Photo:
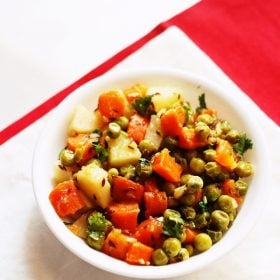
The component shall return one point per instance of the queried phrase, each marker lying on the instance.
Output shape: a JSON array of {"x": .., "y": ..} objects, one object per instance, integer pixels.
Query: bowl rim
[{"x": 71, "y": 242}]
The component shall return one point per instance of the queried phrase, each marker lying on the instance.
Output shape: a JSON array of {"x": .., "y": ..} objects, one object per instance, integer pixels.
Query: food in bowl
[{"x": 146, "y": 179}]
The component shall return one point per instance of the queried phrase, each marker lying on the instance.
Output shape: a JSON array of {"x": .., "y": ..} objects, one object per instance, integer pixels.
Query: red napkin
[{"x": 242, "y": 38}]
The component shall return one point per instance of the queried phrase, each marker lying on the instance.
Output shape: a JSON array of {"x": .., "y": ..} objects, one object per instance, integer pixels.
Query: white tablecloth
[{"x": 68, "y": 43}]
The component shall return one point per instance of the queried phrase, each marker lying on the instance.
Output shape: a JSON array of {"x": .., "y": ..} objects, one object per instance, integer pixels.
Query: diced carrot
[
  {"x": 66, "y": 199},
  {"x": 82, "y": 145},
  {"x": 150, "y": 185},
  {"x": 124, "y": 215},
  {"x": 155, "y": 203},
  {"x": 135, "y": 92},
  {"x": 124, "y": 189},
  {"x": 172, "y": 121},
  {"x": 137, "y": 127},
  {"x": 76, "y": 141},
  {"x": 116, "y": 244},
  {"x": 229, "y": 188},
  {"x": 149, "y": 231},
  {"x": 139, "y": 254},
  {"x": 188, "y": 139},
  {"x": 166, "y": 166},
  {"x": 190, "y": 235},
  {"x": 225, "y": 155},
  {"x": 112, "y": 104}
]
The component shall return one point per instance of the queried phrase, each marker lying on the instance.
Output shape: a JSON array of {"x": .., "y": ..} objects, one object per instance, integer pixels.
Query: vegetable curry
[{"x": 148, "y": 180}]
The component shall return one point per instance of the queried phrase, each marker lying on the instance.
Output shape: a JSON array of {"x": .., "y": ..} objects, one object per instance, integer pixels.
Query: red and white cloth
[{"x": 235, "y": 43}]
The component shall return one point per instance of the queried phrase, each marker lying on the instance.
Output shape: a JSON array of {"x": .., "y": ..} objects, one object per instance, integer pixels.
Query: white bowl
[{"x": 228, "y": 107}]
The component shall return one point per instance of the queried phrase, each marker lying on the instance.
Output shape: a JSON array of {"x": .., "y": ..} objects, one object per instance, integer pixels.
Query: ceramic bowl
[{"x": 228, "y": 106}]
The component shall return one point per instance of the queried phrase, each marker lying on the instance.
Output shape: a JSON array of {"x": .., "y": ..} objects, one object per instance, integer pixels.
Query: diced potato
[
  {"x": 83, "y": 121},
  {"x": 93, "y": 181},
  {"x": 154, "y": 132},
  {"x": 79, "y": 227},
  {"x": 123, "y": 151},
  {"x": 168, "y": 97},
  {"x": 61, "y": 173}
]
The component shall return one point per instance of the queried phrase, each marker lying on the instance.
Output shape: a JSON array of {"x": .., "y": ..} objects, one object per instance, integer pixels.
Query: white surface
[
  {"x": 34, "y": 67},
  {"x": 45, "y": 45}
]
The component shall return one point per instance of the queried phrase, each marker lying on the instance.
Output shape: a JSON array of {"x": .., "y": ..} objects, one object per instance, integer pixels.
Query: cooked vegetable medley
[{"x": 148, "y": 180}]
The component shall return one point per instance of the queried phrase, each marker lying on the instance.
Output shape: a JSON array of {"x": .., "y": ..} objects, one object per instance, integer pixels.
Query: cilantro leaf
[
  {"x": 101, "y": 151},
  {"x": 173, "y": 226},
  {"x": 243, "y": 145},
  {"x": 143, "y": 105},
  {"x": 202, "y": 103}
]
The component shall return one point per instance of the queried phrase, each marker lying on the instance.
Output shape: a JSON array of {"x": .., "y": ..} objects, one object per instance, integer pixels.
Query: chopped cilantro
[
  {"x": 202, "y": 207},
  {"x": 173, "y": 226},
  {"x": 243, "y": 145},
  {"x": 143, "y": 105},
  {"x": 202, "y": 103},
  {"x": 101, "y": 151}
]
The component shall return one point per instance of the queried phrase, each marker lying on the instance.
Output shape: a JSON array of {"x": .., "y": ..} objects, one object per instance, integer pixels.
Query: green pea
[
  {"x": 180, "y": 191},
  {"x": 122, "y": 122},
  {"x": 244, "y": 169},
  {"x": 202, "y": 130},
  {"x": 205, "y": 118},
  {"x": 190, "y": 249},
  {"x": 114, "y": 130},
  {"x": 209, "y": 155},
  {"x": 188, "y": 199},
  {"x": 202, "y": 242},
  {"x": 67, "y": 157},
  {"x": 188, "y": 212},
  {"x": 202, "y": 220},
  {"x": 171, "y": 213},
  {"x": 182, "y": 256},
  {"x": 171, "y": 246},
  {"x": 184, "y": 179},
  {"x": 96, "y": 243},
  {"x": 128, "y": 171},
  {"x": 144, "y": 168},
  {"x": 212, "y": 169},
  {"x": 233, "y": 136},
  {"x": 225, "y": 126},
  {"x": 159, "y": 257},
  {"x": 227, "y": 203},
  {"x": 223, "y": 175},
  {"x": 170, "y": 143},
  {"x": 212, "y": 192},
  {"x": 147, "y": 147},
  {"x": 168, "y": 188},
  {"x": 242, "y": 187},
  {"x": 220, "y": 220},
  {"x": 194, "y": 184},
  {"x": 232, "y": 215},
  {"x": 182, "y": 235},
  {"x": 197, "y": 165},
  {"x": 111, "y": 173},
  {"x": 214, "y": 235}
]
